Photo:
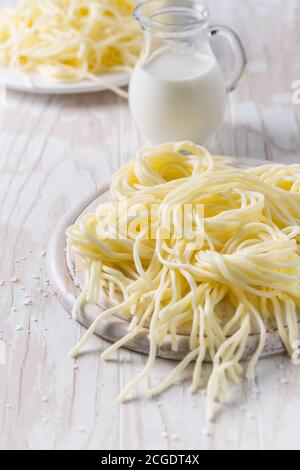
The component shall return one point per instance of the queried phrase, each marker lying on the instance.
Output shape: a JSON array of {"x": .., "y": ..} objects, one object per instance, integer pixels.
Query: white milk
[{"x": 175, "y": 97}]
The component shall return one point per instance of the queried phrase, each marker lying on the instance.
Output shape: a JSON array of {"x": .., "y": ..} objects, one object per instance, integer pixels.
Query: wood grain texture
[{"x": 53, "y": 152}]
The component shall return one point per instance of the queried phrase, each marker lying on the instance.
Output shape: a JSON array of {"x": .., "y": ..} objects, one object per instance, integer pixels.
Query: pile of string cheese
[
  {"x": 70, "y": 40},
  {"x": 243, "y": 278}
]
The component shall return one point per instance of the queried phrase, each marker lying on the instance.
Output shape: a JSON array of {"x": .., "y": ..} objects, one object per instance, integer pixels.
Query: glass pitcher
[{"x": 178, "y": 90}]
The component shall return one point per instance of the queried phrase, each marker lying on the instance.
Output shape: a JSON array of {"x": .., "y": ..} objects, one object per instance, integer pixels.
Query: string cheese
[
  {"x": 243, "y": 278},
  {"x": 70, "y": 40}
]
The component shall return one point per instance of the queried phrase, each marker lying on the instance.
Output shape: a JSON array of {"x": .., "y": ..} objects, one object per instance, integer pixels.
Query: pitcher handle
[{"x": 238, "y": 50}]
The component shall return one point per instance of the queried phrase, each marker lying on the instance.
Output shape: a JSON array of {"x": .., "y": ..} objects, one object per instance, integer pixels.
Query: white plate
[{"x": 34, "y": 83}]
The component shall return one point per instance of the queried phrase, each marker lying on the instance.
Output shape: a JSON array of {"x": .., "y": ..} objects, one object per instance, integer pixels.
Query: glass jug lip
[{"x": 187, "y": 15}]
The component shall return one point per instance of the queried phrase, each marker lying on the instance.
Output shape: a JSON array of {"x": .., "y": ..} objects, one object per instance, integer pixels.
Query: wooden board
[{"x": 67, "y": 275}]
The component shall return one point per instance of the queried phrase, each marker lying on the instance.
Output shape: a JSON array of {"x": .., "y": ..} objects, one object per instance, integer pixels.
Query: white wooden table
[{"x": 55, "y": 150}]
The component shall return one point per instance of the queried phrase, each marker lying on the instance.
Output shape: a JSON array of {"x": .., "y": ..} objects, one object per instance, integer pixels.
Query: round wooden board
[{"x": 65, "y": 275}]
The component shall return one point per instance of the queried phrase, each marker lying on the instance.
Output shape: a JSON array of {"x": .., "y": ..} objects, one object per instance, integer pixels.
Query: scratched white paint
[{"x": 54, "y": 151}]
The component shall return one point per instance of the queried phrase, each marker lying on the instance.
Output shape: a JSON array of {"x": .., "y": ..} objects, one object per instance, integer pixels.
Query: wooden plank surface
[{"x": 54, "y": 151}]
